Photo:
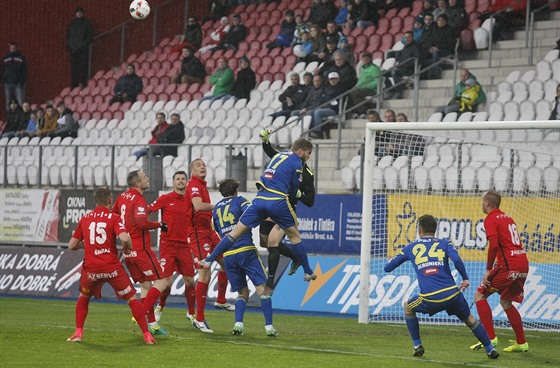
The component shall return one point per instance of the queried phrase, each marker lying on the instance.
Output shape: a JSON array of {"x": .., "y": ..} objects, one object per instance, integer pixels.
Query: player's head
[
  {"x": 427, "y": 225},
  {"x": 198, "y": 168},
  {"x": 103, "y": 196},
  {"x": 303, "y": 148},
  {"x": 180, "y": 180},
  {"x": 137, "y": 179},
  {"x": 490, "y": 200},
  {"x": 228, "y": 187}
]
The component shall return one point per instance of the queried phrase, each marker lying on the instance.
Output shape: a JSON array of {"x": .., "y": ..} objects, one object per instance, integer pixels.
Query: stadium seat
[
  {"x": 536, "y": 90},
  {"x": 551, "y": 179},
  {"x": 421, "y": 178},
  {"x": 534, "y": 179}
]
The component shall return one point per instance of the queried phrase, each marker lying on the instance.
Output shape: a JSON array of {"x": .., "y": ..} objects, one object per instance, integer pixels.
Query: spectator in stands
[
  {"x": 192, "y": 69},
  {"x": 408, "y": 144},
  {"x": 333, "y": 31},
  {"x": 174, "y": 133},
  {"x": 14, "y": 119},
  {"x": 364, "y": 13},
  {"x": 454, "y": 105},
  {"x": 323, "y": 12},
  {"x": 328, "y": 52},
  {"x": 317, "y": 43},
  {"x": 292, "y": 98},
  {"x": 468, "y": 99},
  {"x": 301, "y": 27},
  {"x": 340, "y": 65},
  {"x": 303, "y": 49},
  {"x": 343, "y": 13},
  {"x": 193, "y": 34},
  {"x": 383, "y": 138},
  {"x": 390, "y": 116},
  {"x": 14, "y": 75},
  {"x": 26, "y": 116},
  {"x": 457, "y": 16},
  {"x": 217, "y": 35},
  {"x": 330, "y": 93},
  {"x": 236, "y": 34},
  {"x": 79, "y": 37},
  {"x": 51, "y": 118},
  {"x": 222, "y": 80},
  {"x": 368, "y": 78},
  {"x": 555, "y": 113},
  {"x": 308, "y": 80},
  {"x": 313, "y": 98},
  {"x": 443, "y": 44},
  {"x": 417, "y": 30},
  {"x": 441, "y": 9},
  {"x": 67, "y": 126},
  {"x": 513, "y": 16},
  {"x": 345, "y": 47},
  {"x": 404, "y": 66},
  {"x": 427, "y": 9},
  {"x": 31, "y": 128},
  {"x": 396, "y": 4},
  {"x": 160, "y": 127},
  {"x": 218, "y": 10},
  {"x": 246, "y": 80},
  {"x": 285, "y": 36},
  {"x": 40, "y": 112},
  {"x": 128, "y": 86}
]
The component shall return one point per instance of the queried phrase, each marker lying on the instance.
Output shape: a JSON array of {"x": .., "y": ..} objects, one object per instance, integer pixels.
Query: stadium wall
[{"x": 39, "y": 28}]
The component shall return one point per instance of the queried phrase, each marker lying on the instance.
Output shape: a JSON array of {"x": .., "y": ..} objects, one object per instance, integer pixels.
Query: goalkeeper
[
  {"x": 271, "y": 235},
  {"x": 438, "y": 290}
]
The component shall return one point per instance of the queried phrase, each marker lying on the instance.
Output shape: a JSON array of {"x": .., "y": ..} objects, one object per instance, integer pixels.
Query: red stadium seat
[
  {"x": 171, "y": 88},
  {"x": 175, "y": 97},
  {"x": 268, "y": 77},
  {"x": 386, "y": 42},
  {"x": 141, "y": 97},
  {"x": 275, "y": 68},
  {"x": 99, "y": 74},
  {"x": 118, "y": 115},
  {"x": 474, "y": 24},
  {"x": 404, "y": 12},
  {"x": 396, "y": 23},
  {"x": 191, "y": 88},
  {"x": 159, "y": 89},
  {"x": 391, "y": 13},
  {"x": 279, "y": 76},
  {"x": 374, "y": 42},
  {"x": 107, "y": 115},
  {"x": 65, "y": 91},
  {"x": 197, "y": 95},
  {"x": 467, "y": 40},
  {"x": 383, "y": 26},
  {"x": 369, "y": 31},
  {"x": 163, "y": 97},
  {"x": 114, "y": 107},
  {"x": 377, "y": 54},
  {"x": 483, "y": 5},
  {"x": 250, "y": 8},
  {"x": 75, "y": 91},
  {"x": 125, "y": 106},
  {"x": 267, "y": 60},
  {"x": 85, "y": 115}
]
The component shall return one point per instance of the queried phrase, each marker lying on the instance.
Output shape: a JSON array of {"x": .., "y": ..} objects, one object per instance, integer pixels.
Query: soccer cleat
[
  {"x": 75, "y": 338},
  {"x": 419, "y": 351},
  {"x": 189, "y": 316},
  {"x": 134, "y": 321},
  {"x": 271, "y": 332},
  {"x": 479, "y": 345},
  {"x": 158, "y": 311},
  {"x": 149, "y": 339},
  {"x": 157, "y": 330},
  {"x": 202, "y": 326},
  {"x": 226, "y": 306},
  {"x": 493, "y": 354},
  {"x": 307, "y": 277},
  {"x": 293, "y": 268},
  {"x": 237, "y": 330},
  {"x": 204, "y": 264},
  {"x": 517, "y": 348}
]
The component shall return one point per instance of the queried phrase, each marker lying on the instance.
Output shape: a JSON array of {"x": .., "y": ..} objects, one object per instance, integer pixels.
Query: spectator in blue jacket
[
  {"x": 128, "y": 86},
  {"x": 286, "y": 33}
]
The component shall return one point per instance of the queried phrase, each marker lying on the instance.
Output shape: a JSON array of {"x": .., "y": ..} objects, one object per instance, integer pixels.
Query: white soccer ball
[
  {"x": 299, "y": 51},
  {"x": 139, "y": 9}
]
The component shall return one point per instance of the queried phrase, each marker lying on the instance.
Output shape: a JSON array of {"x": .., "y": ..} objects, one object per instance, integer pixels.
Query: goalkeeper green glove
[
  {"x": 264, "y": 135},
  {"x": 298, "y": 194}
]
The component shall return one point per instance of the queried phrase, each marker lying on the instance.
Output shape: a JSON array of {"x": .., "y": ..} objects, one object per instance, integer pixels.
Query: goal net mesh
[{"x": 444, "y": 173}]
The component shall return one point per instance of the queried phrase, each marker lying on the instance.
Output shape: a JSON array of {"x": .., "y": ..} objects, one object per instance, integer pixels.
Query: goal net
[{"x": 442, "y": 169}]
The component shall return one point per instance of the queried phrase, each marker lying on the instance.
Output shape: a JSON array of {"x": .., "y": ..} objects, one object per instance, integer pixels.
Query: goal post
[{"x": 461, "y": 160}]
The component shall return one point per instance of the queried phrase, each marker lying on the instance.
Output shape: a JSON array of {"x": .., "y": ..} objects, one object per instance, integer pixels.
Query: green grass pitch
[{"x": 33, "y": 333}]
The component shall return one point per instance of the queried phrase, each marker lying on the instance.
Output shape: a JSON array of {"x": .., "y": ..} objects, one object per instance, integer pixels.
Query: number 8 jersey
[{"x": 510, "y": 252}]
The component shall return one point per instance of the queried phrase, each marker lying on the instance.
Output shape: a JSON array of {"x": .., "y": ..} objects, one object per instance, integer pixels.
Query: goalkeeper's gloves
[
  {"x": 264, "y": 135},
  {"x": 298, "y": 194},
  {"x": 163, "y": 227}
]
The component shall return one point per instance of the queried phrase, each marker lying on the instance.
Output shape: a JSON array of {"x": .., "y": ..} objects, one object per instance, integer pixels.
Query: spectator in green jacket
[
  {"x": 454, "y": 105},
  {"x": 222, "y": 80},
  {"x": 368, "y": 77}
]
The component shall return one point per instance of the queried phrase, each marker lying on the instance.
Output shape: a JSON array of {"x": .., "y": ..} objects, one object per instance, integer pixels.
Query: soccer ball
[
  {"x": 299, "y": 51},
  {"x": 139, "y": 9}
]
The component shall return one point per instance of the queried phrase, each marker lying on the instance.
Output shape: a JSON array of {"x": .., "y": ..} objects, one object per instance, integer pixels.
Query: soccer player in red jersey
[
  {"x": 507, "y": 276},
  {"x": 202, "y": 240},
  {"x": 142, "y": 262},
  {"x": 174, "y": 251},
  {"x": 96, "y": 233}
]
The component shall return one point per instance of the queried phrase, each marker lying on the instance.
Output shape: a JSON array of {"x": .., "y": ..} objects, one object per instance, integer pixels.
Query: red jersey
[
  {"x": 131, "y": 206},
  {"x": 196, "y": 187},
  {"x": 174, "y": 212},
  {"x": 99, "y": 229},
  {"x": 509, "y": 252}
]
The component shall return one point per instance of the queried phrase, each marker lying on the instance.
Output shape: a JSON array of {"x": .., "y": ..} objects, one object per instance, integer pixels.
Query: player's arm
[
  {"x": 268, "y": 149},
  {"x": 142, "y": 220},
  {"x": 199, "y": 206},
  {"x": 156, "y": 205},
  {"x": 459, "y": 266},
  {"x": 75, "y": 244},
  {"x": 307, "y": 187},
  {"x": 395, "y": 262},
  {"x": 126, "y": 242},
  {"x": 493, "y": 246}
]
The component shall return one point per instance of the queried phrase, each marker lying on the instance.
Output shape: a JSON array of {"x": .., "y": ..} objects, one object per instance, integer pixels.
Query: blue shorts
[
  {"x": 243, "y": 264},
  {"x": 277, "y": 208},
  {"x": 457, "y": 306}
]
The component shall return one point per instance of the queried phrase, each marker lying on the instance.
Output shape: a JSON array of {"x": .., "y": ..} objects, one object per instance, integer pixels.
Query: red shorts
[
  {"x": 143, "y": 265},
  {"x": 509, "y": 284},
  {"x": 90, "y": 282},
  {"x": 202, "y": 243},
  {"x": 176, "y": 256}
]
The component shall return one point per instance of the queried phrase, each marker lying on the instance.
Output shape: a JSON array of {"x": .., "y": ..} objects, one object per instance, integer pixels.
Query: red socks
[
  {"x": 222, "y": 286},
  {"x": 81, "y": 311},
  {"x": 190, "y": 295},
  {"x": 139, "y": 314},
  {"x": 148, "y": 303},
  {"x": 515, "y": 321},
  {"x": 201, "y": 292},
  {"x": 485, "y": 317}
]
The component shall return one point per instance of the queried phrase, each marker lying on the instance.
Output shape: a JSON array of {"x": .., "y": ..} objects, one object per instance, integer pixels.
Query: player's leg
[
  {"x": 240, "y": 306},
  {"x": 520, "y": 344},
  {"x": 138, "y": 312},
  {"x": 480, "y": 333},
  {"x": 185, "y": 266},
  {"x": 274, "y": 237},
  {"x": 299, "y": 250},
  {"x": 190, "y": 296},
  {"x": 413, "y": 325},
  {"x": 200, "y": 247},
  {"x": 485, "y": 316},
  {"x": 254, "y": 269},
  {"x": 221, "y": 301},
  {"x": 82, "y": 306},
  {"x": 158, "y": 311}
]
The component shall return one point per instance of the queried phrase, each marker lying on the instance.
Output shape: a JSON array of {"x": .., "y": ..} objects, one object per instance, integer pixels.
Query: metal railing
[{"x": 530, "y": 28}]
